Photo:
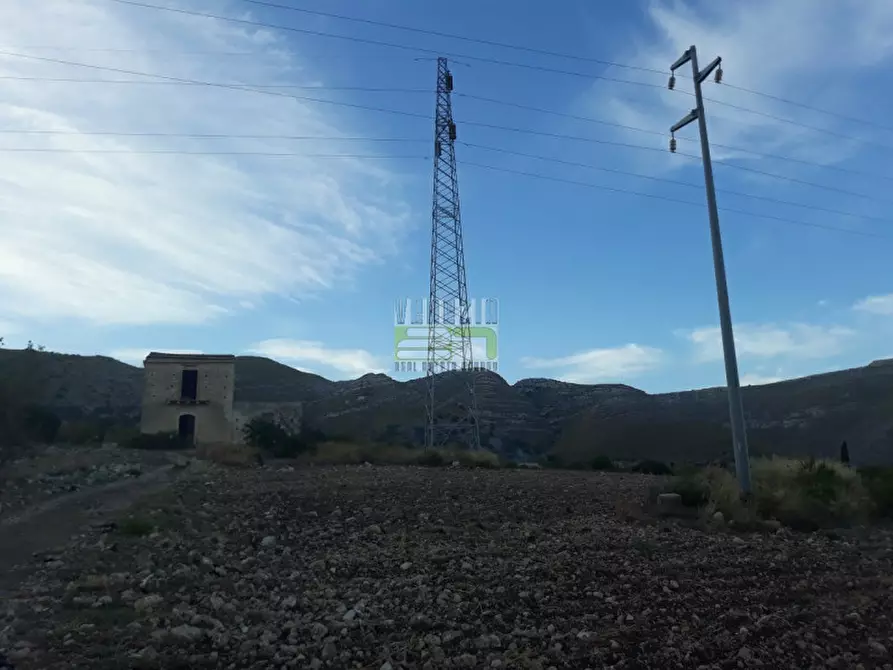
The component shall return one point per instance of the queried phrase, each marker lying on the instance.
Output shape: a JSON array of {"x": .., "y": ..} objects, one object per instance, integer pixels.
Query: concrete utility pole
[{"x": 736, "y": 407}]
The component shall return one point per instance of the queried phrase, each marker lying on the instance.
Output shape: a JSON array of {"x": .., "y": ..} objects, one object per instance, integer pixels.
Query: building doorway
[{"x": 186, "y": 428}]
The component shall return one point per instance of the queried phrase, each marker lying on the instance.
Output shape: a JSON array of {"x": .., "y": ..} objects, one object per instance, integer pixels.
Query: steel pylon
[{"x": 451, "y": 404}]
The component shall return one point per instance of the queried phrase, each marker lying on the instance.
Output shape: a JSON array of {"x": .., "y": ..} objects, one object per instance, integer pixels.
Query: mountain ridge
[{"x": 807, "y": 415}]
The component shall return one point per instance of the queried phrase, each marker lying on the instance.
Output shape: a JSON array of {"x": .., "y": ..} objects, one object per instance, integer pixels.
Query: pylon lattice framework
[{"x": 451, "y": 416}]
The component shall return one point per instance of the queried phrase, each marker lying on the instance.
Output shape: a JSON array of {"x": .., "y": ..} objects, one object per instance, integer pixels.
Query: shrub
[
  {"x": 265, "y": 434},
  {"x": 553, "y": 461},
  {"x": 40, "y": 424},
  {"x": 431, "y": 458},
  {"x": 601, "y": 463},
  {"x": 120, "y": 434},
  {"x": 82, "y": 432},
  {"x": 808, "y": 494},
  {"x": 233, "y": 455},
  {"x": 648, "y": 467},
  {"x": 158, "y": 442},
  {"x": 878, "y": 483},
  {"x": 135, "y": 527},
  {"x": 474, "y": 459},
  {"x": 694, "y": 491},
  {"x": 805, "y": 495}
]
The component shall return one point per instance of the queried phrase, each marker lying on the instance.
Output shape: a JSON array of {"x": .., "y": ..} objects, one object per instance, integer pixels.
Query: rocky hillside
[{"x": 802, "y": 416}]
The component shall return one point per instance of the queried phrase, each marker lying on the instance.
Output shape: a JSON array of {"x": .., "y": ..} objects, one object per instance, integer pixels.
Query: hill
[{"x": 812, "y": 415}]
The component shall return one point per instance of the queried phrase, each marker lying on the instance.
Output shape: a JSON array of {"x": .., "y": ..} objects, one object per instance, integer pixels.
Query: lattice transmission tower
[{"x": 451, "y": 403}]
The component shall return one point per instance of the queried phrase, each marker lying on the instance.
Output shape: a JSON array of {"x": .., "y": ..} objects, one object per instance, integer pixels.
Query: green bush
[
  {"x": 474, "y": 459},
  {"x": 694, "y": 491},
  {"x": 878, "y": 482},
  {"x": 601, "y": 463},
  {"x": 810, "y": 494},
  {"x": 135, "y": 527},
  {"x": 431, "y": 458},
  {"x": 649, "y": 467},
  {"x": 81, "y": 432},
  {"x": 120, "y": 434},
  {"x": 552, "y": 461},
  {"x": 269, "y": 436},
  {"x": 158, "y": 442},
  {"x": 40, "y": 424},
  {"x": 804, "y": 495}
]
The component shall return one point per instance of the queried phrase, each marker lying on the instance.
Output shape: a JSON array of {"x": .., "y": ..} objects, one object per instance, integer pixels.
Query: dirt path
[{"x": 49, "y": 525}]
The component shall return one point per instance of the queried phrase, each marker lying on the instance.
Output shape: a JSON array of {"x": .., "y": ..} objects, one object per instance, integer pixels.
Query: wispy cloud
[
  {"x": 797, "y": 340},
  {"x": 876, "y": 304},
  {"x": 600, "y": 365},
  {"x": 139, "y": 239},
  {"x": 137, "y": 356},
  {"x": 798, "y": 49},
  {"x": 311, "y": 356}
]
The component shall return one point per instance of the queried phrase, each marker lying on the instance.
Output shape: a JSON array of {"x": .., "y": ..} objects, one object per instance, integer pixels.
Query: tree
[
  {"x": 265, "y": 434},
  {"x": 844, "y": 453}
]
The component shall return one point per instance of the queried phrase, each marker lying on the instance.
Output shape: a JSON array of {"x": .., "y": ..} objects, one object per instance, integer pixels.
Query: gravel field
[
  {"x": 55, "y": 471},
  {"x": 386, "y": 568}
]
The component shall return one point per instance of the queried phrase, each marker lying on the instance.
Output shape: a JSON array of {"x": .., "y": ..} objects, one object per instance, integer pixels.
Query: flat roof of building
[{"x": 159, "y": 357}]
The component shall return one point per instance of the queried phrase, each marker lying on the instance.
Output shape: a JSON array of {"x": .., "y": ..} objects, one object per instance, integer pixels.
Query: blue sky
[{"x": 301, "y": 257}]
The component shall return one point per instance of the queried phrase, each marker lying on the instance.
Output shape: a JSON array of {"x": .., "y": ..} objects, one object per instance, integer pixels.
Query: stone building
[{"x": 191, "y": 395}]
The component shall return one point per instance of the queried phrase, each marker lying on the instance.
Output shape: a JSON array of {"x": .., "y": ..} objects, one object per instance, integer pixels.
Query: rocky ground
[
  {"x": 387, "y": 568},
  {"x": 50, "y": 472}
]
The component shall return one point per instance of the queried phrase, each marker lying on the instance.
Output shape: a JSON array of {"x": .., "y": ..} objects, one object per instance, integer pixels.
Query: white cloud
[
  {"x": 876, "y": 304},
  {"x": 137, "y": 356},
  {"x": 601, "y": 365},
  {"x": 756, "y": 379},
  {"x": 797, "y": 49},
  {"x": 139, "y": 239},
  {"x": 309, "y": 355},
  {"x": 796, "y": 340}
]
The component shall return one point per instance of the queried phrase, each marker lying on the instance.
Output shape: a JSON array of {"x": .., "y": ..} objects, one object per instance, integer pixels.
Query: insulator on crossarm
[
  {"x": 437, "y": 149},
  {"x": 449, "y": 81},
  {"x": 672, "y": 83},
  {"x": 673, "y": 145},
  {"x": 452, "y": 131},
  {"x": 718, "y": 76}
]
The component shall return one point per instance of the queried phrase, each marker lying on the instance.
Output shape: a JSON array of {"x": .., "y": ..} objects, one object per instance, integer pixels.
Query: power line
[
  {"x": 390, "y": 45},
  {"x": 544, "y": 52},
  {"x": 437, "y": 33},
  {"x": 427, "y": 117},
  {"x": 186, "y": 152},
  {"x": 211, "y": 136},
  {"x": 165, "y": 52},
  {"x": 674, "y": 200},
  {"x": 211, "y": 84},
  {"x": 469, "y": 57},
  {"x": 676, "y": 182},
  {"x": 794, "y": 103},
  {"x": 71, "y": 80},
  {"x": 469, "y": 96},
  {"x": 589, "y": 119}
]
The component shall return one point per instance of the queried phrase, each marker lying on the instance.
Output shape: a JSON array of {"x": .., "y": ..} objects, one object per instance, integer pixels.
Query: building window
[{"x": 189, "y": 385}]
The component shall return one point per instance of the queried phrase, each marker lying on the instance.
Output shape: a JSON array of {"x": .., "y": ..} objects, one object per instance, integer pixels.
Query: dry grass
[
  {"x": 233, "y": 455},
  {"x": 346, "y": 453},
  {"x": 800, "y": 494}
]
